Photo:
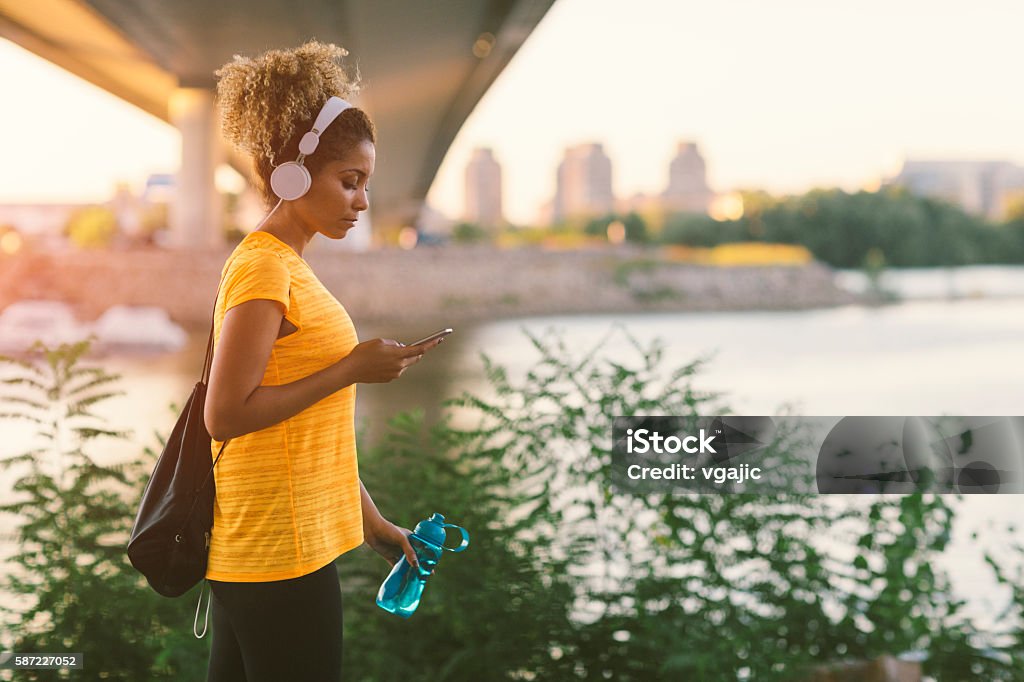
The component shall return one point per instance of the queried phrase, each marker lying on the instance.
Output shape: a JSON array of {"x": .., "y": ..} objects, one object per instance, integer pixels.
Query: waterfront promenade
[{"x": 445, "y": 284}]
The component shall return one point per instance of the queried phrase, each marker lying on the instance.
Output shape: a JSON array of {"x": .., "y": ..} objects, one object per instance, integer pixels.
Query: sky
[{"x": 783, "y": 95}]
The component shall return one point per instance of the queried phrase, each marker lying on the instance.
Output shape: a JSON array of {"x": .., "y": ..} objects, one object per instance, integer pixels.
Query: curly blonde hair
[{"x": 268, "y": 102}]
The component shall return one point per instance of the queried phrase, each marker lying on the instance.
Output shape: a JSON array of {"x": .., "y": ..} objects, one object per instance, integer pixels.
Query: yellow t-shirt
[{"x": 287, "y": 498}]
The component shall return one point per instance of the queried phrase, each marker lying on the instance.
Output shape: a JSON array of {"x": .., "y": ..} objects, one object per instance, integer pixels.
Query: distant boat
[
  {"x": 24, "y": 322},
  {"x": 124, "y": 328}
]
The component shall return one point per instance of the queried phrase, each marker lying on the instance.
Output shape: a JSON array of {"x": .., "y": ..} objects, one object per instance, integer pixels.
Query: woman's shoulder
[
  {"x": 254, "y": 251},
  {"x": 254, "y": 270},
  {"x": 261, "y": 242}
]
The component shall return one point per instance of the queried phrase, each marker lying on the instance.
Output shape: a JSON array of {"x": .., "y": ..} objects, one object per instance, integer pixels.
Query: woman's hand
[
  {"x": 390, "y": 541},
  {"x": 382, "y": 360}
]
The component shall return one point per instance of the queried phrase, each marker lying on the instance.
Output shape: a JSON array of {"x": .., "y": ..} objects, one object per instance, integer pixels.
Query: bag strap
[
  {"x": 209, "y": 350},
  {"x": 208, "y": 362},
  {"x": 209, "y": 344},
  {"x": 205, "y": 378}
]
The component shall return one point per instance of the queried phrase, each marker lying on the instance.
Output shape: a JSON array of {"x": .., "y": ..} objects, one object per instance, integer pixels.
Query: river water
[{"x": 962, "y": 354}]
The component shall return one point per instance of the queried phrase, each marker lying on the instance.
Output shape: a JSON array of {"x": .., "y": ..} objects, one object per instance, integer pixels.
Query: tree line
[
  {"x": 848, "y": 230},
  {"x": 890, "y": 227}
]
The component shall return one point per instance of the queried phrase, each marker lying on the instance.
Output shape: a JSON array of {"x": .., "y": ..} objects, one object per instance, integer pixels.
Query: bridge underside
[{"x": 424, "y": 66}]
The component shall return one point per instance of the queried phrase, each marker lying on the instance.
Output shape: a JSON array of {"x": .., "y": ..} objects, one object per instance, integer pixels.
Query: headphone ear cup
[{"x": 289, "y": 181}]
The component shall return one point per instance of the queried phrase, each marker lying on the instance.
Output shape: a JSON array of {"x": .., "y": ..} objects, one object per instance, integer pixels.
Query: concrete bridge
[{"x": 425, "y": 64}]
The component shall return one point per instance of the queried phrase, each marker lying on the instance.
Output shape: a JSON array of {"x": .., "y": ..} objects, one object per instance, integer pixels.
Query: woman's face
[{"x": 338, "y": 193}]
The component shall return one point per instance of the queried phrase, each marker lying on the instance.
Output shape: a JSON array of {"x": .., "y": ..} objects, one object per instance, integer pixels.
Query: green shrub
[
  {"x": 80, "y": 592},
  {"x": 568, "y": 578}
]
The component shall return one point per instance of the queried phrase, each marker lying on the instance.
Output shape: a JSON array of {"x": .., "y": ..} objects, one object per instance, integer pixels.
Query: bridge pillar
[{"x": 197, "y": 210}]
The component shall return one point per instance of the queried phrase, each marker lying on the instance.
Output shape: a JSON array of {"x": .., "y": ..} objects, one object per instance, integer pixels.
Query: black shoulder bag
[{"x": 170, "y": 540}]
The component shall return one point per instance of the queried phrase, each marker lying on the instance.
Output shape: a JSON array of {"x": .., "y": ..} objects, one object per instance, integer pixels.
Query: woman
[{"x": 282, "y": 384}]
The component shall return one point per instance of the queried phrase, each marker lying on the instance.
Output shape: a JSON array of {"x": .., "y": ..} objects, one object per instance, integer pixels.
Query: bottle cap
[{"x": 431, "y": 530}]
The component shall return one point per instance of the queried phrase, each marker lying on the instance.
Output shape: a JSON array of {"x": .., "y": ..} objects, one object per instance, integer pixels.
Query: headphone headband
[
  {"x": 331, "y": 110},
  {"x": 291, "y": 180}
]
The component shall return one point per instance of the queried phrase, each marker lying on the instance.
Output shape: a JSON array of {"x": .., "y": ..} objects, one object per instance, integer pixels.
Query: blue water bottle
[{"x": 401, "y": 591}]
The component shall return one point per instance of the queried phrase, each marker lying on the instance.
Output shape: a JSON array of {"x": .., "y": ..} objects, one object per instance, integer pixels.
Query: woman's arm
[
  {"x": 384, "y": 537},
  {"x": 236, "y": 404}
]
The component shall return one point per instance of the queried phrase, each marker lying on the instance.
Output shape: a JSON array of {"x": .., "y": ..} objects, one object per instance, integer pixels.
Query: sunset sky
[{"x": 783, "y": 95}]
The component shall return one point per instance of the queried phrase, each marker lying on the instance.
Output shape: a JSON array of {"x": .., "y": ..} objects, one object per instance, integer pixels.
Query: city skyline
[
  {"x": 989, "y": 188},
  {"x": 773, "y": 104}
]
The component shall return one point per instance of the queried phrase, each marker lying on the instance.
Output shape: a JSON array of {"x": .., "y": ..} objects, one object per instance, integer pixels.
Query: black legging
[{"x": 277, "y": 631}]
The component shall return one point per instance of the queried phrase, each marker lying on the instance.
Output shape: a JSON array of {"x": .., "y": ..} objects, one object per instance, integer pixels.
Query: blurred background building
[
  {"x": 483, "y": 189},
  {"x": 985, "y": 188},
  {"x": 584, "y": 183},
  {"x": 37, "y": 219},
  {"x": 687, "y": 188}
]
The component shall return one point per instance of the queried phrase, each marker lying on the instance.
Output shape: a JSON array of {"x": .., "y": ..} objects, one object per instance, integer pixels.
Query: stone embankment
[{"x": 428, "y": 284}]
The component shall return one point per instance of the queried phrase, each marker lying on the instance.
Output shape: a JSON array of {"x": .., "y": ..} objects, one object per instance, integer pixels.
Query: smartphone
[{"x": 439, "y": 334}]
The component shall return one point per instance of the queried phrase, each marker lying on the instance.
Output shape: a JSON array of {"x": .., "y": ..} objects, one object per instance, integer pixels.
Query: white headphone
[{"x": 292, "y": 180}]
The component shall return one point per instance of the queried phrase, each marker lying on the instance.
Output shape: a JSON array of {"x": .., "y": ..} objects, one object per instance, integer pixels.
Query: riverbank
[{"x": 453, "y": 284}]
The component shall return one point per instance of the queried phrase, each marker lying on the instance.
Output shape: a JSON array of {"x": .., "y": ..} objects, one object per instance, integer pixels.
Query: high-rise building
[
  {"x": 985, "y": 188},
  {"x": 687, "y": 188},
  {"x": 584, "y": 184},
  {"x": 483, "y": 189}
]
